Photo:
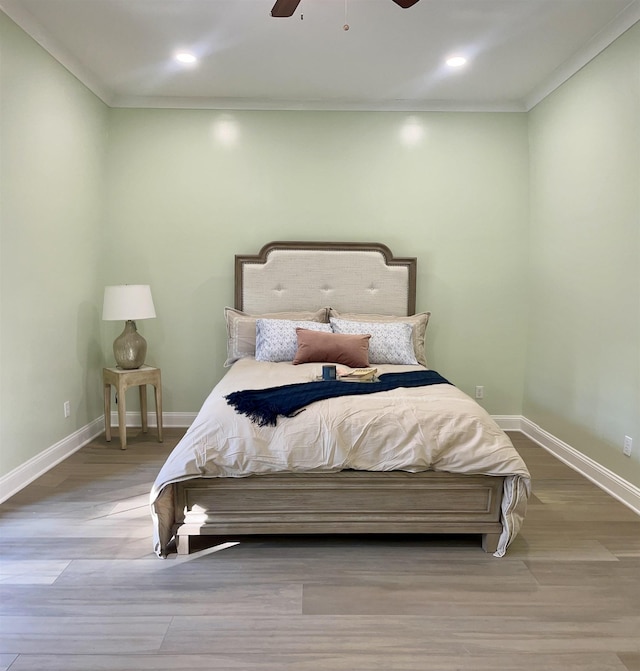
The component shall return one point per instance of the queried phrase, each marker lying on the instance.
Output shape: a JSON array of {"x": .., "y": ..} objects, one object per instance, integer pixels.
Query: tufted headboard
[{"x": 347, "y": 276}]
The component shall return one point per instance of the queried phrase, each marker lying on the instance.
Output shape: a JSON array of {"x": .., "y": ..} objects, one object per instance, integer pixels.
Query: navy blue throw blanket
[{"x": 263, "y": 406}]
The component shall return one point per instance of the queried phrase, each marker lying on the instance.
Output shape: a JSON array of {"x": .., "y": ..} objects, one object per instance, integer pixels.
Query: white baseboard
[
  {"x": 611, "y": 483},
  {"x": 508, "y": 422},
  {"x": 20, "y": 477},
  {"x": 607, "y": 480}
]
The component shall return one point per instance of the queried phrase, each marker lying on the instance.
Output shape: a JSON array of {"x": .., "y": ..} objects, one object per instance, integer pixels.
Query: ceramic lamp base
[{"x": 130, "y": 348}]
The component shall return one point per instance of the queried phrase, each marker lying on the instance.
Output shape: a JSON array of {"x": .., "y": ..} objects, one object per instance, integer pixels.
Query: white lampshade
[{"x": 128, "y": 301}]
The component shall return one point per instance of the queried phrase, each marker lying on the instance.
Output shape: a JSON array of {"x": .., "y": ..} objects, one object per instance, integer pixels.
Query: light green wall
[
  {"x": 92, "y": 196},
  {"x": 583, "y": 369},
  {"x": 53, "y": 134},
  {"x": 182, "y": 201}
]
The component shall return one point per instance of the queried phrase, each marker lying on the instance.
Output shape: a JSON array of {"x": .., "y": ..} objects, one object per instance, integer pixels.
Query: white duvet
[{"x": 437, "y": 427}]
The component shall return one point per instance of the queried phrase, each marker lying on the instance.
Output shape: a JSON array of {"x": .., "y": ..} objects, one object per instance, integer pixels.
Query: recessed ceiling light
[
  {"x": 185, "y": 58},
  {"x": 456, "y": 61}
]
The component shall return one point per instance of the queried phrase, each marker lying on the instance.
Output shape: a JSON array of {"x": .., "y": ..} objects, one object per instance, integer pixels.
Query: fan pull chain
[{"x": 346, "y": 24}]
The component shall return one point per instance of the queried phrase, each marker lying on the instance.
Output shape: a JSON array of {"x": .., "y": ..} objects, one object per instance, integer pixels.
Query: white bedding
[{"x": 436, "y": 427}]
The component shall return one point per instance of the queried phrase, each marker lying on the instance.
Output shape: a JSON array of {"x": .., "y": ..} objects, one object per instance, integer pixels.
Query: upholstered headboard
[{"x": 347, "y": 276}]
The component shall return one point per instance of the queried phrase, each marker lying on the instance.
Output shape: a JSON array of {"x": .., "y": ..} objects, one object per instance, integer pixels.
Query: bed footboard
[{"x": 340, "y": 503}]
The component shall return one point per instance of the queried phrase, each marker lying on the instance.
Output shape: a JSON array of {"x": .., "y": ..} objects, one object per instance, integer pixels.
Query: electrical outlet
[
  {"x": 479, "y": 391},
  {"x": 67, "y": 408},
  {"x": 627, "y": 446}
]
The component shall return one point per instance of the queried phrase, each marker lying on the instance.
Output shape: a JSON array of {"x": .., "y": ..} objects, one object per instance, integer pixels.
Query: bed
[{"x": 424, "y": 460}]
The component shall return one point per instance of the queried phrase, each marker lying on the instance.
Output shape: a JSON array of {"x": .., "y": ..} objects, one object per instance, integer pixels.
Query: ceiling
[{"x": 389, "y": 59}]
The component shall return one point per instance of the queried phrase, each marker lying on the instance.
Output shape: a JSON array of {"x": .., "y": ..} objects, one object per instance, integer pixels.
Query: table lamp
[{"x": 128, "y": 302}]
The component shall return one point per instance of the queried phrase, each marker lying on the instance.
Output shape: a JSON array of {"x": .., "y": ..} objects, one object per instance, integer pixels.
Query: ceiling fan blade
[
  {"x": 405, "y": 4},
  {"x": 285, "y": 8}
]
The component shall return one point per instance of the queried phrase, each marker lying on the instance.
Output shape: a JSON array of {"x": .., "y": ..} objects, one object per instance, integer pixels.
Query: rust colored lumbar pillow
[{"x": 346, "y": 349}]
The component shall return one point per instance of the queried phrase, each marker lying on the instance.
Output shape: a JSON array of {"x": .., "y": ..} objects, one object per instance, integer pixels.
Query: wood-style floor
[{"x": 80, "y": 589}]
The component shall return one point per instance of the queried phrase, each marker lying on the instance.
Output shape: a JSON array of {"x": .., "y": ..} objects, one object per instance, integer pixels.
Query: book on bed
[{"x": 359, "y": 375}]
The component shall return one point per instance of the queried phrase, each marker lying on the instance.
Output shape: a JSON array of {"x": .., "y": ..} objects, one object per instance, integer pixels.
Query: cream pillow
[
  {"x": 241, "y": 329},
  {"x": 418, "y": 323}
]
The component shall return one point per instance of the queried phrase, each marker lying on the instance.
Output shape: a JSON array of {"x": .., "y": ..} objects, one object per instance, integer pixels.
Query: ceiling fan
[{"x": 285, "y": 8}]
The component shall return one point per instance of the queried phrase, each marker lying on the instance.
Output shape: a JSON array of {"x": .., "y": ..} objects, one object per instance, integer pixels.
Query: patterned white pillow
[
  {"x": 277, "y": 340},
  {"x": 390, "y": 342},
  {"x": 418, "y": 322}
]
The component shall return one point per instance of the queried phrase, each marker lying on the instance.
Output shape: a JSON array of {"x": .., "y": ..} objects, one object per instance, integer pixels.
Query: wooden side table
[{"x": 123, "y": 379}]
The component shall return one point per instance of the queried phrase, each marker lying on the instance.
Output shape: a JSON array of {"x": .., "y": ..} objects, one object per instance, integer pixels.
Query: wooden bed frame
[{"x": 348, "y": 501}]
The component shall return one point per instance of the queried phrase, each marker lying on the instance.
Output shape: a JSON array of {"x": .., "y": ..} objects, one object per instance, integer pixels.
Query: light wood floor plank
[
  {"x": 324, "y": 662},
  {"x": 352, "y": 635},
  {"x": 6, "y": 661},
  {"x": 105, "y": 602},
  {"x": 631, "y": 661},
  {"x": 78, "y": 634}
]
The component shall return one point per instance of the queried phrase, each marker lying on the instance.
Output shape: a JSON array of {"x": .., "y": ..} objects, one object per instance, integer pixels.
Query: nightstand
[{"x": 123, "y": 379}]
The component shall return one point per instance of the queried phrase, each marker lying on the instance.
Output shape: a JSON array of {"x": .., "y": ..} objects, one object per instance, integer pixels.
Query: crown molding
[
  {"x": 623, "y": 22},
  {"x": 20, "y": 15},
  {"x": 254, "y": 104}
]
